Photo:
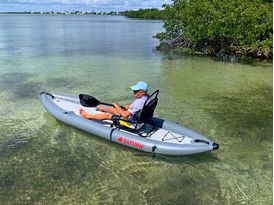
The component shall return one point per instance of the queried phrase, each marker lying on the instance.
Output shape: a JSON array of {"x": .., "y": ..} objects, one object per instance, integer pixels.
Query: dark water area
[{"x": 43, "y": 161}]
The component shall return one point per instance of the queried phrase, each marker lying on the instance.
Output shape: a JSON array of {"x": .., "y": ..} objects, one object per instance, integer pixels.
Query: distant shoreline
[{"x": 66, "y": 12}]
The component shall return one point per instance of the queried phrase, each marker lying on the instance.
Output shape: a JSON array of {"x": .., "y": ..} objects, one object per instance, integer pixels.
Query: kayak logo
[{"x": 130, "y": 143}]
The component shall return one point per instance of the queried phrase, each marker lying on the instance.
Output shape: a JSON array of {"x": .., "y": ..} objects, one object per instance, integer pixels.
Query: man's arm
[{"x": 122, "y": 112}]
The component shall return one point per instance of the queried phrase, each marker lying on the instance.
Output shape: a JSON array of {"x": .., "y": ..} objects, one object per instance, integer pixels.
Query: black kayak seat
[{"x": 147, "y": 111}]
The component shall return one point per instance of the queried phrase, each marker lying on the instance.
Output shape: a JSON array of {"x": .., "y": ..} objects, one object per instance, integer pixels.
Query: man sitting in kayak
[{"x": 128, "y": 112}]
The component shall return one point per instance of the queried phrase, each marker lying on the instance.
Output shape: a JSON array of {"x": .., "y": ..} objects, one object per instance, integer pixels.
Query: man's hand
[{"x": 126, "y": 107}]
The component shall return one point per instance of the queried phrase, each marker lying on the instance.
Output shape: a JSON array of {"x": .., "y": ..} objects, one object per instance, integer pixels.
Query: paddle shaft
[
  {"x": 90, "y": 101},
  {"x": 108, "y": 104}
]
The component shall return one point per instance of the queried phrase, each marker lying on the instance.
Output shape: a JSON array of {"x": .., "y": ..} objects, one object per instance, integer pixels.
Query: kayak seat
[
  {"x": 147, "y": 112},
  {"x": 144, "y": 116}
]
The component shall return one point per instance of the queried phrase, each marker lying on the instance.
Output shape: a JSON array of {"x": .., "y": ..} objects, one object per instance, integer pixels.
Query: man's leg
[
  {"x": 108, "y": 109},
  {"x": 101, "y": 116}
]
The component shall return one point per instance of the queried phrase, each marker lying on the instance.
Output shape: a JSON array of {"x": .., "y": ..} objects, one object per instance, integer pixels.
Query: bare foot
[{"x": 83, "y": 113}]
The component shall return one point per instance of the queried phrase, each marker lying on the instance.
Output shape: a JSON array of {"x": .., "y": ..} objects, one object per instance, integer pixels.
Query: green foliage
[
  {"x": 220, "y": 24},
  {"x": 145, "y": 14}
]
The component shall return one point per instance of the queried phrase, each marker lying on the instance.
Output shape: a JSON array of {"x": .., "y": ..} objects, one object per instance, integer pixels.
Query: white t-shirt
[{"x": 136, "y": 106}]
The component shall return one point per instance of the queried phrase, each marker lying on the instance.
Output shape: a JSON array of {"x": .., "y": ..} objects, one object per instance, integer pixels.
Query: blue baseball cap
[{"x": 141, "y": 85}]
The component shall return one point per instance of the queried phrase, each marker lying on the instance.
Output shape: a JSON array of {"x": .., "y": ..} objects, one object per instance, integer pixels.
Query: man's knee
[{"x": 109, "y": 116}]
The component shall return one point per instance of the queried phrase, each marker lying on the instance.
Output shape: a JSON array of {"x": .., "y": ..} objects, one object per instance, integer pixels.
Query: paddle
[{"x": 90, "y": 101}]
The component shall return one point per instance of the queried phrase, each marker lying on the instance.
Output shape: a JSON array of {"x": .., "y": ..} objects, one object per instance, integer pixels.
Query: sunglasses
[{"x": 135, "y": 91}]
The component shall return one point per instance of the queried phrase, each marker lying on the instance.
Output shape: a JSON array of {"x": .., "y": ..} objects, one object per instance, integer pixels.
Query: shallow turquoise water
[{"x": 43, "y": 161}]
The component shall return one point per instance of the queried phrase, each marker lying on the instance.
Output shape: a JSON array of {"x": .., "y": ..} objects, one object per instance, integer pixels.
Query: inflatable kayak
[{"x": 156, "y": 136}]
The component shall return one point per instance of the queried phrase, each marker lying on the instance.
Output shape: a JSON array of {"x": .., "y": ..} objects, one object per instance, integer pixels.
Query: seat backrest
[{"x": 147, "y": 112}]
